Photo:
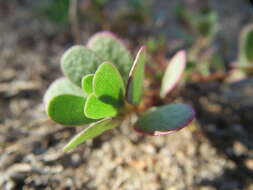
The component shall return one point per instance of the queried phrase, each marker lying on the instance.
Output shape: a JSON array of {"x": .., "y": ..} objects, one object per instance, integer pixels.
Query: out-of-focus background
[{"x": 214, "y": 153}]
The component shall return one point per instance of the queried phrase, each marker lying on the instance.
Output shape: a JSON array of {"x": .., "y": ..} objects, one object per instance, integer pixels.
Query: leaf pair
[
  {"x": 106, "y": 90},
  {"x": 110, "y": 48},
  {"x": 79, "y": 61}
]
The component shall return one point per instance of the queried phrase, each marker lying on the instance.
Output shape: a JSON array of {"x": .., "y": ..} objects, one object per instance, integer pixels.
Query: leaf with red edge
[
  {"x": 173, "y": 73},
  {"x": 165, "y": 119},
  {"x": 136, "y": 76}
]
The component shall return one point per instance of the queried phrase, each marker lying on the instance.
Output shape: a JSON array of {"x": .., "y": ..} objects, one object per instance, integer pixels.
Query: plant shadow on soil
[{"x": 229, "y": 125}]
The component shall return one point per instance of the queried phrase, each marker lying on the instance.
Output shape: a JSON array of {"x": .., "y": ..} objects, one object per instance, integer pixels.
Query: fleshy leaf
[
  {"x": 110, "y": 48},
  {"x": 165, "y": 119},
  {"x": 98, "y": 109},
  {"x": 173, "y": 73},
  {"x": 108, "y": 84},
  {"x": 77, "y": 62},
  {"x": 87, "y": 83},
  {"x": 62, "y": 86},
  {"x": 92, "y": 131},
  {"x": 246, "y": 47},
  {"x": 68, "y": 110},
  {"x": 108, "y": 91},
  {"x": 136, "y": 77}
]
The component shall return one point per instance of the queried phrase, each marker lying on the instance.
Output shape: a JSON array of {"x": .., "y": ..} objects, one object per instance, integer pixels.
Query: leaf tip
[
  {"x": 182, "y": 54},
  {"x": 66, "y": 149},
  {"x": 173, "y": 73},
  {"x": 143, "y": 47}
]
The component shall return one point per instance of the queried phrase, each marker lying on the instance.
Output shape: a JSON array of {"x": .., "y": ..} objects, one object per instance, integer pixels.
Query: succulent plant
[{"x": 102, "y": 86}]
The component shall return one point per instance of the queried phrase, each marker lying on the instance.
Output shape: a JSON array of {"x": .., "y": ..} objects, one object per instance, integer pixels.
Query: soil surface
[{"x": 215, "y": 154}]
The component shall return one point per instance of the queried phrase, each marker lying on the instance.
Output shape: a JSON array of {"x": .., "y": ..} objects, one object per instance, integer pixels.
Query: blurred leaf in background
[
  {"x": 136, "y": 10},
  {"x": 133, "y": 17},
  {"x": 205, "y": 63},
  {"x": 94, "y": 10},
  {"x": 58, "y": 10},
  {"x": 55, "y": 10},
  {"x": 202, "y": 24}
]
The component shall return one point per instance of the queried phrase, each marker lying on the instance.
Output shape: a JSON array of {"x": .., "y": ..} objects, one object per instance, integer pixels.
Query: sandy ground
[{"x": 216, "y": 155}]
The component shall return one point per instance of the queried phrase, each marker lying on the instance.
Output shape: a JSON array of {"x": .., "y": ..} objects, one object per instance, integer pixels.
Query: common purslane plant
[{"x": 103, "y": 84}]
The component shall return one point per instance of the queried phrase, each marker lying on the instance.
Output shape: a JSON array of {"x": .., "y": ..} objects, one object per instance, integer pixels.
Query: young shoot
[{"x": 103, "y": 83}]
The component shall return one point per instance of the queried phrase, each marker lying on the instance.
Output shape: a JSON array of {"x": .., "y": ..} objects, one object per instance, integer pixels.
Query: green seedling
[
  {"x": 103, "y": 85},
  {"x": 243, "y": 67},
  {"x": 245, "y": 58}
]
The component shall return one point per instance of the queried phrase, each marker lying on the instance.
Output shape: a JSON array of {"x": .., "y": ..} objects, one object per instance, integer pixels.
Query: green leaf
[
  {"x": 246, "y": 46},
  {"x": 136, "y": 77},
  {"x": 110, "y": 48},
  {"x": 77, "y": 62},
  {"x": 62, "y": 86},
  {"x": 68, "y": 110},
  {"x": 108, "y": 91},
  {"x": 64, "y": 103},
  {"x": 87, "y": 83},
  {"x": 96, "y": 108},
  {"x": 108, "y": 84},
  {"x": 173, "y": 73},
  {"x": 165, "y": 119},
  {"x": 92, "y": 131}
]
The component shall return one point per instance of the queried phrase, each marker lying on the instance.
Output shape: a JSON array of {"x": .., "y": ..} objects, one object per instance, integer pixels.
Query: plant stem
[{"x": 73, "y": 17}]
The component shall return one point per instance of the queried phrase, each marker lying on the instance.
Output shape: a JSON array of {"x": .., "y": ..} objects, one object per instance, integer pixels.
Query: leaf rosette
[{"x": 102, "y": 81}]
